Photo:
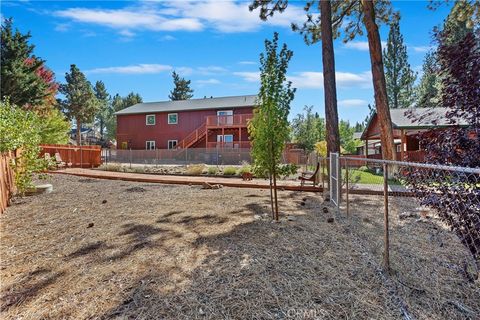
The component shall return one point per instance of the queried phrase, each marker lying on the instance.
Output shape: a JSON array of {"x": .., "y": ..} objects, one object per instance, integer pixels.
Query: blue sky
[{"x": 135, "y": 45}]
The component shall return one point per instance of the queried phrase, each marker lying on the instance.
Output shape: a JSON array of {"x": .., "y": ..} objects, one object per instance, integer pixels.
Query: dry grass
[{"x": 179, "y": 252}]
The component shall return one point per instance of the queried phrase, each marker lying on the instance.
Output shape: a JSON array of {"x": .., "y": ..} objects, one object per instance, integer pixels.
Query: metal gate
[{"x": 335, "y": 178}]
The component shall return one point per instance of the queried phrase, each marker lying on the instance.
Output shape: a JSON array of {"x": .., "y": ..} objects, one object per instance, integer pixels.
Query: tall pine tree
[
  {"x": 104, "y": 109},
  {"x": 428, "y": 89},
  {"x": 181, "y": 90},
  {"x": 398, "y": 74},
  {"x": 80, "y": 103}
]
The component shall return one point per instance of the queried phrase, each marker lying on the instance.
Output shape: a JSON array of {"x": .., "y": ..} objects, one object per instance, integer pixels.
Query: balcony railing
[
  {"x": 229, "y": 145},
  {"x": 240, "y": 120}
]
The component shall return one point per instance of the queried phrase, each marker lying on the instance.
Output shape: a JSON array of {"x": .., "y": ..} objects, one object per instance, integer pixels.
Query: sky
[{"x": 135, "y": 46}]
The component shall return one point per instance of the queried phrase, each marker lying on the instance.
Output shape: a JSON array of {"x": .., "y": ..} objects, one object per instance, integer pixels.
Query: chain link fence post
[{"x": 386, "y": 255}]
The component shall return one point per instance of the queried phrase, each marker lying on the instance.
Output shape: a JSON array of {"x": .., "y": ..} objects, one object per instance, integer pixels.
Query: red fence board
[{"x": 78, "y": 156}]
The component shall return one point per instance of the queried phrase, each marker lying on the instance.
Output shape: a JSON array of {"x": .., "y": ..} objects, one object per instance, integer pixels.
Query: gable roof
[
  {"x": 192, "y": 104},
  {"x": 418, "y": 118}
]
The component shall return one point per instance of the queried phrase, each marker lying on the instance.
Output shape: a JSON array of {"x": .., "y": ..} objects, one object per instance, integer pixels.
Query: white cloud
[
  {"x": 421, "y": 49},
  {"x": 248, "y": 76},
  {"x": 126, "y": 33},
  {"x": 360, "y": 45},
  {"x": 211, "y": 70},
  {"x": 314, "y": 80},
  {"x": 227, "y": 16},
  {"x": 247, "y": 62},
  {"x": 133, "y": 69},
  {"x": 61, "y": 27},
  {"x": 208, "y": 81},
  {"x": 168, "y": 38},
  {"x": 352, "y": 103},
  {"x": 126, "y": 19}
]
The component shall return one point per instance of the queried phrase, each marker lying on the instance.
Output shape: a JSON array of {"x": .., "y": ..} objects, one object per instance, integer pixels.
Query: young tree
[
  {"x": 181, "y": 90},
  {"x": 80, "y": 103},
  {"x": 21, "y": 82},
  {"x": 104, "y": 111},
  {"x": 399, "y": 76},
  {"x": 269, "y": 128}
]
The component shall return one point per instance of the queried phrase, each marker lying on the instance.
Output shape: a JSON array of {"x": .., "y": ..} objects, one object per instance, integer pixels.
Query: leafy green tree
[
  {"x": 304, "y": 128},
  {"x": 320, "y": 127},
  {"x": 269, "y": 127},
  {"x": 54, "y": 128},
  {"x": 20, "y": 134},
  {"x": 104, "y": 110},
  {"x": 80, "y": 103},
  {"x": 118, "y": 103},
  {"x": 181, "y": 90},
  {"x": 20, "y": 81},
  {"x": 398, "y": 74},
  {"x": 348, "y": 142}
]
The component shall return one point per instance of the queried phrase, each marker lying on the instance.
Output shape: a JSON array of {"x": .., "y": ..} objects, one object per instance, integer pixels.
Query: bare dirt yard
[{"x": 102, "y": 249}]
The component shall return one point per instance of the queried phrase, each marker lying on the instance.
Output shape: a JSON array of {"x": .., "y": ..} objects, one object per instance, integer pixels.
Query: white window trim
[
  {"x": 223, "y": 138},
  {"x": 168, "y": 143},
  {"x": 168, "y": 118},
  {"x": 146, "y": 144},
  {"x": 154, "y": 120}
]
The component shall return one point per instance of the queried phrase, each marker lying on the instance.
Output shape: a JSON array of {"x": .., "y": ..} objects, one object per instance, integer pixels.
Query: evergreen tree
[
  {"x": 269, "y": 128},
  {"x": 181, "y": 90},
  {"x": 80, "y": 103},
  {"x": 104, "y": 109},
  {"x": 398, "y": 74},
  {"x": 20, "y": 81},
  {"x": 427, "y": 90},
  {"x": 304, "y": 130}
]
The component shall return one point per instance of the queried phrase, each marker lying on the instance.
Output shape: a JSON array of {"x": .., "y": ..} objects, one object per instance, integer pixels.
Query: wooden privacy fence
[
  {"x": 77, "y": 156},
  {"x": 7, "y": 185}
]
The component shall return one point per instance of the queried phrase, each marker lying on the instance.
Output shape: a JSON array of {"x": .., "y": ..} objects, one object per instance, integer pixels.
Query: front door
[
  {"x": 225, "y": 117},
  {"x": 225, "y": 140}
]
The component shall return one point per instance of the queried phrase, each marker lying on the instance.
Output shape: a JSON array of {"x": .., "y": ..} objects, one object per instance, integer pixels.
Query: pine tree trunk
[
  {"x": 331, "y": 112},
  {"x": 379, "y": 84},
  {"x": 79, "y": 131}
]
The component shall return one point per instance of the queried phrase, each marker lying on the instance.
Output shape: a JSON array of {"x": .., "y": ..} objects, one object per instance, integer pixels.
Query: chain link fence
[{"x": 396, "y": 203}]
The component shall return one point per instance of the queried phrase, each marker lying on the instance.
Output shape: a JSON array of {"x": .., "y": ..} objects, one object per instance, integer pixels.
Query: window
[
  {"x": 150, "y": 120},
  {"x": 172, "y": 118},
  {"x": 172, "y": 144},
  {"x": 225, "y": 117},
  {"x": 150, "y": 145}
]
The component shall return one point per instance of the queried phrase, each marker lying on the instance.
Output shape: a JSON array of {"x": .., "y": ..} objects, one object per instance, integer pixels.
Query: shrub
[
  {"x": 110, "y": 167},
  {"x": 196, "y": 169},
  {"x": 244, "y": 169},
  {"x": 287, "y": 170},
  {"x": 229, "y": 171},
  {"x": 20, "y": 133},
  {"x": 212, "y": 170}
]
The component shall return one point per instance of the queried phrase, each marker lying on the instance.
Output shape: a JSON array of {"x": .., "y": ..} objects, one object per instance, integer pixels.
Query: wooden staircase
[{"x": 193, "y": 137}]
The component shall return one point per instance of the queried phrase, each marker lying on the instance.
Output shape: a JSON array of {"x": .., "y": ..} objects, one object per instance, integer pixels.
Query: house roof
[
  {"x": 418, "y": 118},
  {"x": 192, "y": 104}
]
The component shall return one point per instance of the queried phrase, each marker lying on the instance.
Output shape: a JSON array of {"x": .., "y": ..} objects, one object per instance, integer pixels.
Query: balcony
[{"x": 237, "y": 120}]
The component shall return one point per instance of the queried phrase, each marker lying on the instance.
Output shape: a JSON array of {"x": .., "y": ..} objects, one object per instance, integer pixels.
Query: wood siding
[{"x": 132, "y": 128}]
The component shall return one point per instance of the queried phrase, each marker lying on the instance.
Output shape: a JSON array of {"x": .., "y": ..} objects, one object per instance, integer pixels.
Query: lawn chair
[
  {"x": 308, "y": 176},
  {"x": 60, "y": 162}
]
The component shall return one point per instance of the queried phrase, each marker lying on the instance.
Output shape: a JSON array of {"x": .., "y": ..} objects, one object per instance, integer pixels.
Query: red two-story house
[{"x": 195, "y": 123}]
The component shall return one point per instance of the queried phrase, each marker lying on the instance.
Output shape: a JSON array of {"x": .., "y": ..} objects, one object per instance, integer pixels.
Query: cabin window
[
  {"x": 150, "y": 145},
  {"x": 150, "y": 120},
  {"x": 172, "y": 118},
  {"x": 172, "y": 144}
]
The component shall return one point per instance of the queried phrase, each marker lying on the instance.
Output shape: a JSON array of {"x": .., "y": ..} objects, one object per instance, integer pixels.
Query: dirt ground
[{"x": 102, "y": 249}]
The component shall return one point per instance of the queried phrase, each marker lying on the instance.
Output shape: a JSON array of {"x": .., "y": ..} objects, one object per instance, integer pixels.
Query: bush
[
  {"x": 110, "y": 167},
  {"x": 20, "y": 133},
  {"x": 212, "y": 170},
  {"x": 244, "y": 169},
  {"x": 229, "y": 171},
  {"x": 287, "y": 170},
  {"x": 196, "y": 169}
]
